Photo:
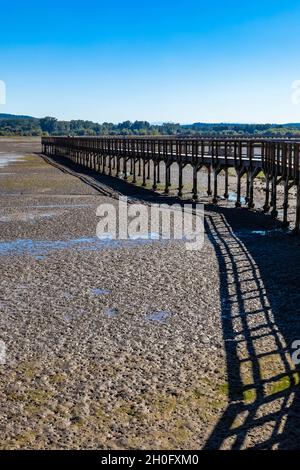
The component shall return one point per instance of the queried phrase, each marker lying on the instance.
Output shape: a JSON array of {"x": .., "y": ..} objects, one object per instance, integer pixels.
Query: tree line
[{"x": 11, "y": 125}]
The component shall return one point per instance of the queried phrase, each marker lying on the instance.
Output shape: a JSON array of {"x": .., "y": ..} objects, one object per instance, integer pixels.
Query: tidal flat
[{"x": 140, "y": 345}]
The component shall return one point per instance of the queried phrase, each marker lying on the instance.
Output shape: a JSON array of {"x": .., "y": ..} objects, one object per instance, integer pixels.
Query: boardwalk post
[
  {"x": 266, "y": 206},
  {"x": 167, "y": 180},
  {"x": 249, "y": 176},
  {"x": 226, "y": 195},
  {"x": 180, "y": 179},
  {"x": 209, "y": 191},
  {"x": 251, "y": 189},
  {"x": 154, "y": 161},
  {"x": 247, "y": 187},
  {"x": 215, "y": 195},
  {"x": 154, "y": 175},
  {"x": 118, "y": 167},
  {"x": 195, "y": 182},
  {"x": 148, "y": 169},
  {"x": 134, "y": 170},
  {"x": 144, "y": 173},
  {"x": 169, "y": 175},
  {"x": 274, "y": 212},
  {"x": 285, "y": 222},
  {"x": 274, "y": 154},
  {"x": 158, "y": 172},
  {"x": 131, "y": 165},
  {"x": 238, "y": 189},
  {"x": 125, "y": 167}
]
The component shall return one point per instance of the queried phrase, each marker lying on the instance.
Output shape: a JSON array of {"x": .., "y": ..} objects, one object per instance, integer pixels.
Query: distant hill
[
  {"x": 294, "y": 125},
  {"x": 16, "y": 125},
  {"x": 15, "y": 116},
  {"x": 239, "y": 125}
]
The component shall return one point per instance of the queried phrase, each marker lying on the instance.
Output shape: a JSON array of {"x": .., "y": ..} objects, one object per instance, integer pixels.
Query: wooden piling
[
  {"x": 180, "y": 179},
  {"x": 195, "y": 182},
  {"x": 209, "y": 191}
]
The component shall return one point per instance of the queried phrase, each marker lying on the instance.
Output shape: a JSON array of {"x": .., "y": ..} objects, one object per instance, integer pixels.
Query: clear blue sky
[{"x": 158, "y": 60}]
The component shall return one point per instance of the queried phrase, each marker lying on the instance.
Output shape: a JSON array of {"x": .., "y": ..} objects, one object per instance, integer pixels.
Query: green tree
[{"x": 48, "y": 124}]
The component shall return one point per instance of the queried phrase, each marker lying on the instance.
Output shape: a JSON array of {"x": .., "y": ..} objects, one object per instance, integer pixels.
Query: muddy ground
[{"x": 140, "y": 344}]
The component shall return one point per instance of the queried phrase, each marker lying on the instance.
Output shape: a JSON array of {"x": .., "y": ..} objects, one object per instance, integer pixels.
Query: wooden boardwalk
[{"x": 277, "y": 159}]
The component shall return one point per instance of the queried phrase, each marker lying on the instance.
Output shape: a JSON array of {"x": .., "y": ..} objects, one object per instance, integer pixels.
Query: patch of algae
[
  {"x": 33, "y": 159},
  {"x": 169, "y": 415},
  {"x": 284, "y": 383},
  {"x": 27, "y": 369},
  {"x": 32, "y": 409},
  {"x": 38, "y": 396},
  {"x": 275, "y": 377},
  {"x": 23, "y": 440},
  {"x": 249, "y": 396},
  {"x": 57, "y": 378},
  {"x": 224, "y": 389},
  {"x": 155, "y": 420}
]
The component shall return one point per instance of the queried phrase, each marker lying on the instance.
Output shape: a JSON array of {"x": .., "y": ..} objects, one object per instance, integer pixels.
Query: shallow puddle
[
  {"x": 111, "y": 312},
  {"x": 45, "y": 247},
  {"x": 96, "y": 291},
  {"x": 60, "y": 206},
  {"x": 75, "y": 315},
  {"x": 159, "y": 316},
  {"x": 232, "y": 197},
  {"x": 261, "y": 233},
  {"x": 5, "y": 160},
  {"x": 141, "y": 237}
]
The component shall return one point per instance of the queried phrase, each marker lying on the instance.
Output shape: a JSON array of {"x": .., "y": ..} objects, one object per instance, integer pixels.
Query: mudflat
[{"x": 140, "y": 345}]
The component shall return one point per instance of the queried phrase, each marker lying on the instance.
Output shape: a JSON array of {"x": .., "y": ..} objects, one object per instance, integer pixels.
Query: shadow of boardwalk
[
  {"x": 115, "y": 184},
  {"x": 260, "y": 298}
]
